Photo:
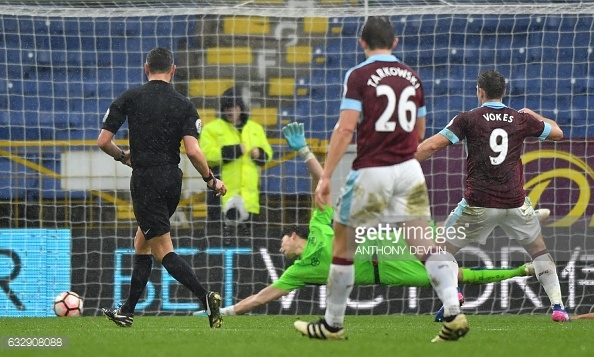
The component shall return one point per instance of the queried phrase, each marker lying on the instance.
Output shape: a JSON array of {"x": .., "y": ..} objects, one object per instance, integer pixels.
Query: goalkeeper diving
[{"x": 312, "y": 249}]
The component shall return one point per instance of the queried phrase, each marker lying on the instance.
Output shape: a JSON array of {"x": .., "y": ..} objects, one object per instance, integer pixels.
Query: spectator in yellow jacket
[{"x": 239, "y": 147}]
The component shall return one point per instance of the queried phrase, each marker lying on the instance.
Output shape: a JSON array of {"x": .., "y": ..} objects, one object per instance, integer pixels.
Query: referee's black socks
[
  {"x": 182, "y": 272},
  {"x": 143, "y": 263}
]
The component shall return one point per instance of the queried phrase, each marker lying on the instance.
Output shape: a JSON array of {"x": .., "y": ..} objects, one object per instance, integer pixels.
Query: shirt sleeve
[
  {"x": 293, "y": 278},
  {"x": 192, "y": 124},
  {"x": 321, "y": 218},
  {"x": 534, "y": 127},
  {"x": 455, "y": 131},
  {"x": 311, "y": 270},
  {"x": 352, "y": 96},
  {"x": 116, "y": 115}
]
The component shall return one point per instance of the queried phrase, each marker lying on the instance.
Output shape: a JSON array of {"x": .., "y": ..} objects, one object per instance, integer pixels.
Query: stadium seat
[
  {"x": 286, "y": 116},
  {"x": 351, "y": 26},
  {"x": 335, "y": 26},
  {"x": 339, "y": 2},
  {"x": 246, "y": 25},
  {"x": 269, "y": 2},
  {"x": 302, "y": 86},
  {"x": 315, "y": 25},
  {"x": 229, "y": 55},
  {"x": 207, "y": 115},
  {"x": 267, "y": 117},
  {"x": 295, "y": 177},
  {"x": 299, "y": 54},
  {"x": 271, "y": 181},
  {"x": 281, "y": 87},
  {"x": 209, "y": 87}
]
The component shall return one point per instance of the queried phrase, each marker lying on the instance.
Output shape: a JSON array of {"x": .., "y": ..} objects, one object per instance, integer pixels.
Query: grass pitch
[{"x": 501, "y": 336}]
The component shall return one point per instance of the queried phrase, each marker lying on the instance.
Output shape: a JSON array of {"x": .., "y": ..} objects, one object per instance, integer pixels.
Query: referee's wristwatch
[
  {"x": 210, "y": 177},
  {"x": 121, "y": 157}
]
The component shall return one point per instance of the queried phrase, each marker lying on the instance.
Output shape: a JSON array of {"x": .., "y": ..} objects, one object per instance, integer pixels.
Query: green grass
[{"x": 501, "y": 336}]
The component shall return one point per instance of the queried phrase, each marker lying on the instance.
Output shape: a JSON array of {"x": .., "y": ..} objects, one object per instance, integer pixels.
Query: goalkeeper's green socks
[{"x": 485, "y": 276}]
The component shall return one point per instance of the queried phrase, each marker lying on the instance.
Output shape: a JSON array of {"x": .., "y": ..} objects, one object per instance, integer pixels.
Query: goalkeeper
[{"x": 313, "y": 250}]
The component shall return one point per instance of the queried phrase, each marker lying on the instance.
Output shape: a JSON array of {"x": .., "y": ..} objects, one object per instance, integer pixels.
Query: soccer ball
[{"x": 68, "y": 303}]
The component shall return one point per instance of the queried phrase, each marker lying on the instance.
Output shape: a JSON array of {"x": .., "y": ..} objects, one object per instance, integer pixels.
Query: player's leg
[
  {"x": 493, "y": 275},
  {"x": 341, "y": 276},
  {"x": 181, "y": 271},
  {"x": 143, "y": 259},
  {"x": 465, "y": 224},
  {"x": 523, "y": 225},
  {"x": 409, "y": 206},
  {"x": 162, "y": 248}
]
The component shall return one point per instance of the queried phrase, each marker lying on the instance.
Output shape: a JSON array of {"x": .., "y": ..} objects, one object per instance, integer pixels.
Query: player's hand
[
  {"x": 528, "y": 111},
  {"x": 322, "y": 195},
  {"x": 295, "y": 136}
]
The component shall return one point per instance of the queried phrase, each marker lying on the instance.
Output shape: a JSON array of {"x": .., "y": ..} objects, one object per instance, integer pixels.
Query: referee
[{"x": 159, "y": 118}]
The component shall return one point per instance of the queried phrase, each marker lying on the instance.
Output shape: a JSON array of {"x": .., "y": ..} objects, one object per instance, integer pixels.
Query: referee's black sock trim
[
  {"x": 181, "y": 271},
  {"x": 143, "y": 263}
]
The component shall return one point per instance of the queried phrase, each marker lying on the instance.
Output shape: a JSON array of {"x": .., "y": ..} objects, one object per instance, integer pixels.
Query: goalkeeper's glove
[{"x": 295, "y": 136}]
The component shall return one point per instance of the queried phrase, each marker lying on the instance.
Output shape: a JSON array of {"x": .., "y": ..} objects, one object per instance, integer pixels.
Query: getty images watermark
[{"x": 402, "y": 242}]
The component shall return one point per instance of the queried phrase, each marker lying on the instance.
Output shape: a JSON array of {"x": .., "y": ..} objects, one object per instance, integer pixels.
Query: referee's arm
[
  {"x": 198, "y": 160},
  {"x": 105, "y": 142}
]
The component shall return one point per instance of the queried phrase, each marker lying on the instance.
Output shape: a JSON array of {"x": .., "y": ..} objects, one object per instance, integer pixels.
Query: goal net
[{"x": 62, "y": 63}]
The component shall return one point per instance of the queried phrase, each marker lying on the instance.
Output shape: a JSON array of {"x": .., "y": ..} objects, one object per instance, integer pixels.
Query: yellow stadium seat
[
  {"x": 339, "y": 2},
  {"x": 264, "y": 116},
  {"x": 229, "y": 55},
  {"x": 299, "y": 54},
  {"x": 209, "y": 87},
  {"x": 246, "y": 25},
  {"x": 199, "y": 210},
  {"x": 315, "y": 25},
  {"x": 207, "y": 115},
  {"x": 281, "y": 87}
]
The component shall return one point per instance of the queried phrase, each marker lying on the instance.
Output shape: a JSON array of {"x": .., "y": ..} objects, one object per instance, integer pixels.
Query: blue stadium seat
[
  {"x": 13, "y": 56},
  {"x": 84, "y": 27},
  {"x": 351, "y": 26},
  {"x": 428, "y": 23},
  {"x": 272, "y": 180},
  {"x": 148, "y": 43},
  {"x": 133, "y": 26},
  {"x": 582, "y": 85},
  {"x": 102, "y": 27},
  {"x": 87, "y": 43},
  {"x": 117, "y": 29},
  {"x": 296, "y": 178},
  {"x": 104, "y": 44},
  {"x": 535, "y": 47},
  {"x": 15, "y": 180},
  {"x": 14, "y": 41},
  {"x": 57, "y": 43},
  {"x": 71, "y": 27},
  {"x": 73, "y": 43}
]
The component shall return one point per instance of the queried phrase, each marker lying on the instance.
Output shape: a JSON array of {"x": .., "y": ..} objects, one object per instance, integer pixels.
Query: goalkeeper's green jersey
[{"x": 313, "y": 266}]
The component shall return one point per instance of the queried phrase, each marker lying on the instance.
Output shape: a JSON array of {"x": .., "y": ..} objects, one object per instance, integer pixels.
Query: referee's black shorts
[{"x": 156, "y": 192}]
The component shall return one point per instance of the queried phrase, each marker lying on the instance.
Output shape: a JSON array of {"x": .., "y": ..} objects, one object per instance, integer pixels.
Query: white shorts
[
  {"x": 387, "y": 194},
  {"x": 477, "y": 223}
]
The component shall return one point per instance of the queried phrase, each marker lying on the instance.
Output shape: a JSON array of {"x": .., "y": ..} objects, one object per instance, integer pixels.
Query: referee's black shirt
[{"x": 158, "y": 118}]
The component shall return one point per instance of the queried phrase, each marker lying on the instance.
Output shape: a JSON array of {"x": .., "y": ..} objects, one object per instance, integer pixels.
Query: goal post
[{"x": 64, "y": 62}]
